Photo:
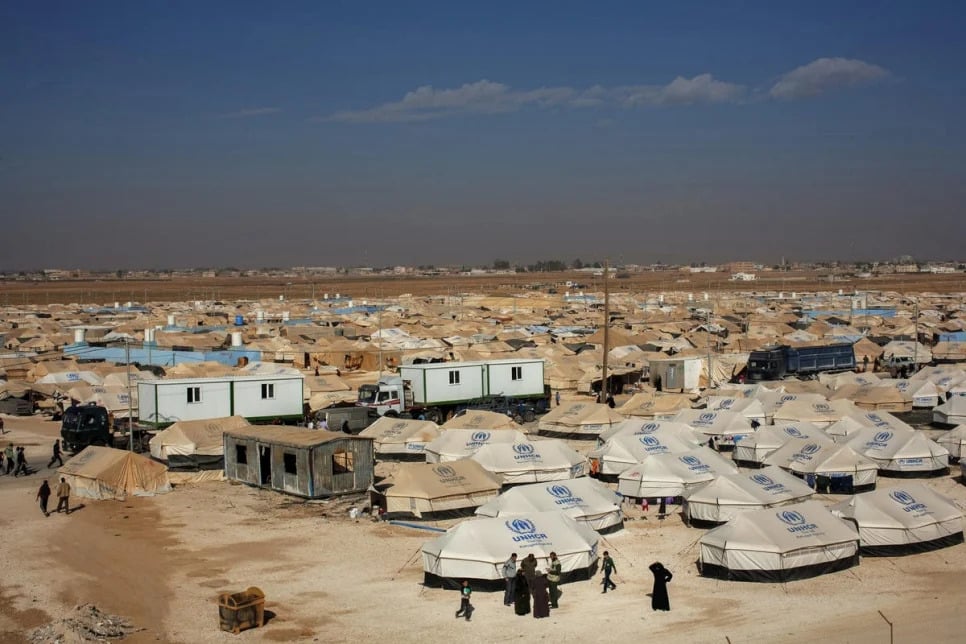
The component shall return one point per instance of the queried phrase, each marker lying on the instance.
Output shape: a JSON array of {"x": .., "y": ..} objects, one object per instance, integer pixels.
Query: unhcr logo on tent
[
  {"x": 525, "y": 531},
  {"x": 794, "y": 432},
  {"x": 788, "y": 397},
  {"x": 767, "y": 483},
  {"x": 477, "y": 439},
  {"x": 877, "y": 420},
  {"x": 880, "y": 440},
  {"x": 796, "y": 522},
  {"x": 906, "y": 500},
  {"x": 447, "y": 474},
  {"x": 694, "y": 463},
  {"x": 563, "y": 495},
  {"x": 649, "y": 428},
  {"x": 651, "y": 445},
  {"x": 706, "y": 418},
  {"x": 525, "y": 452},
  {"x": 726, "y": 403},
  {"x": 805, "y": 454},
  {"x": 822, "y": 408}
]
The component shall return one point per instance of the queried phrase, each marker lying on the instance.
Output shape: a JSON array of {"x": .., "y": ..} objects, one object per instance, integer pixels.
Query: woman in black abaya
[
  {"x": 659, "y": 598},
  {"x": 521, "y": 595}
]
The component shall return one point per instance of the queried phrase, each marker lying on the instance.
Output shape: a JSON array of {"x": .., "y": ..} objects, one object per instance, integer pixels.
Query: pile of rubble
[{"x": 87, "y": 624}]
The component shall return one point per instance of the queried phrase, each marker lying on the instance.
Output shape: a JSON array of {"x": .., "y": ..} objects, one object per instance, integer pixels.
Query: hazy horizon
[{"x": 317, "y": 134}]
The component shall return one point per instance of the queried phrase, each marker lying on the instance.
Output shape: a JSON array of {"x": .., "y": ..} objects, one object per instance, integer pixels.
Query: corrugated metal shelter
[{"x": 302, "y": 462}]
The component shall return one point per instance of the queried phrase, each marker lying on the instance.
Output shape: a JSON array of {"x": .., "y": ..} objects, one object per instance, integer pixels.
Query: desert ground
[
  {"x": 108, "y": 291},
  {"x": 160, "y": 563}
]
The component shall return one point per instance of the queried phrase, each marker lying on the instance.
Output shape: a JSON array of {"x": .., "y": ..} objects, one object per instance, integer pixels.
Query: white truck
[{"x": 437, "y": 390}]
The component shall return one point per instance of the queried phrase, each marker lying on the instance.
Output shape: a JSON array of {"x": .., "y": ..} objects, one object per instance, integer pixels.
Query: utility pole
[
  {"x": 915, "y": 339},
  {"x": 604, "y": 387},
  {"x": 380, "y": 341},
  {"x": 709, "y": 348},
  {"x": 130, "y": 414}
]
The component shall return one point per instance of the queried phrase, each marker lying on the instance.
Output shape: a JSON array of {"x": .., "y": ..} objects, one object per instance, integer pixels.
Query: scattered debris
[{"x": 86, "y": 622}]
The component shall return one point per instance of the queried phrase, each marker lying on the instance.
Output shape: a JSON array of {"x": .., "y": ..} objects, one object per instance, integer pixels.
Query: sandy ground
[{"x": 160, "y": 563}]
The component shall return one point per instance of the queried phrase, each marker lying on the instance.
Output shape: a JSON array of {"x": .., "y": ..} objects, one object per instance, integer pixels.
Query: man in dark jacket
[
  {"x": 56, "y": 456},
  {"x": 21, "y": 462},
  {"x": 609, "y": 568},
  {"x": 43, "y": 494}
]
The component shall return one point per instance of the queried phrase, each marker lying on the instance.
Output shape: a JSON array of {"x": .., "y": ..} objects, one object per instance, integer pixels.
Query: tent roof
[{"x": 791, "y": 527}]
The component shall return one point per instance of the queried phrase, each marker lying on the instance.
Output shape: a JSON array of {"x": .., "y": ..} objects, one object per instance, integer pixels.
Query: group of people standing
[{"x": 525, "y": 583}]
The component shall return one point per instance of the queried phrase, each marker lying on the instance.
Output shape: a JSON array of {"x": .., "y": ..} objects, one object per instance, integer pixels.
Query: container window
[
  {"x": 516, "y": 373},
  {"x": 343, "y": 462},
  {"x": 268, "y": 390},
  {"x": 241, "y": 454},
  {"x": 288, "y": 460},
  {"x": 454, "y": 377},
  {"x": 194, "y": 394}
]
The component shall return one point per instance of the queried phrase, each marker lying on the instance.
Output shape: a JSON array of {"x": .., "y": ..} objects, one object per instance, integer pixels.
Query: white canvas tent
[
  {"x": 401, "y": 438},
  {"x": 954, "y": 441},
  {"x": 421, "y": 489},
  {"x": 647, "y": 427},
  {"x": 478, "y": 548},
  {"x": 841, "y": 430},
  {"x": 779, "y": 544},
  {"x": 846, "y": 469},
  {"x": 951, "y": 412},
  {"x": 198, "y": 444},
  {"x": 730, "y": 494},
  {"x": 725, "y": 426},
  {"x": 772, "y": 401},
  {"x": 531, "y": 462},
  {"x": 673, "y": 474},
  {"x": 901, "y": 452},
  {"x": 902, "y": 520},
  {"x": 455, "y": 444},
  {"x": 624, "y": 451},
  {"x": 584, "y": 500},
  {"x": 108, "y": 473},
  {"x": 750, "y": 408},
  {"x": 754, "y": 448}
]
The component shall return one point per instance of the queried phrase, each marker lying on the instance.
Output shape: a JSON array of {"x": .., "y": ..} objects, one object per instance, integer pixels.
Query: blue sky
[{"x": 257, "y": 134}]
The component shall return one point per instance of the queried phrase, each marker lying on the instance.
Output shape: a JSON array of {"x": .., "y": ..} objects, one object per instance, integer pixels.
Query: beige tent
[
  {"x": 401, "y": 438},
  {"x": 480, "y": 419},
  {"x": 420, "y": 488},
  {"x": 648, "y": 404},
  {"x": 876, "y": 398},
  {"x": 579, "y": 419},
  {"x": 108, "y": 473},
  {"x": 195, "y": 443}
]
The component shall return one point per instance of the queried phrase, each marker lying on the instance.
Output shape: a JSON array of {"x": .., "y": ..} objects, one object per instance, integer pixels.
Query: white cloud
[
  {"x": 824, "y": 74},
  {"x": 250, "y": 112},
  {"x": 427, "y": 102},
  {"x": 487, "y": 97}
]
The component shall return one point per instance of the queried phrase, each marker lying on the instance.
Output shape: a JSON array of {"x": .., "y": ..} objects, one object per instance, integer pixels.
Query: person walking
[
  {"x": 558, "y": 398},
  {"x": 662, "y": 509},
  {"x": 510, "y": 578},
  {"x": 43, "y": 495},
  {"x": 63, "y": 495},
  {"x": 21, "y": 462},
  {"x": 553, "y": 579},
  {"x": 659, "y": 598},
  {"x": 56, "y": 456},
  {"x": 609, "y": 568},
  {"x": 466, "y": 609},
  {"x": 9, "y": 455}
]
